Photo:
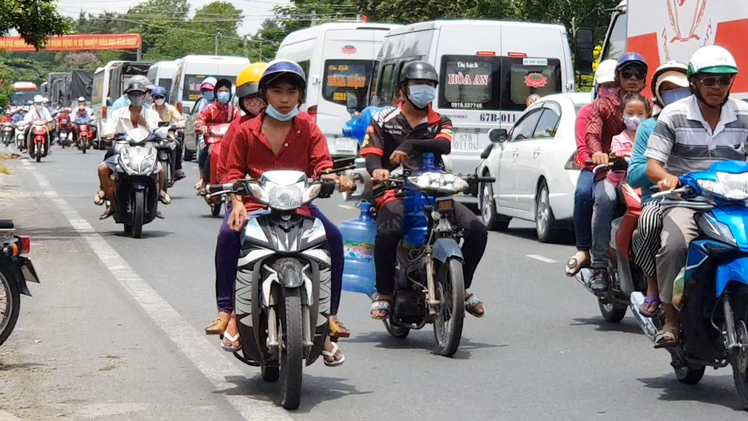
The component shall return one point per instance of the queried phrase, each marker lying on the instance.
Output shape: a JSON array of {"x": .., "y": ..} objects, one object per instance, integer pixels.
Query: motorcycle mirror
[{"x": 163, "y": 124}]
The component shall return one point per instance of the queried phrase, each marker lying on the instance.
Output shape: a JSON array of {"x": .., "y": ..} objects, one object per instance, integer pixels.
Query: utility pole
[
  {"x": 218, "y": 37},
  {"x": 246, "y": 51},
  {"x": 314, "y": 18}
]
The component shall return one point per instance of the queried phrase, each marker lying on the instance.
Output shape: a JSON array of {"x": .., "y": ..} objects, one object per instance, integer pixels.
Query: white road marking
[
  {"x": 348, "y": 207},
  {"x": 211, "y": 362},
  {"x": 541, "y": 258}
]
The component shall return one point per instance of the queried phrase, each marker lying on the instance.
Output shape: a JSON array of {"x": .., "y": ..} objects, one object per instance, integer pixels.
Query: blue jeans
[
  {"x": 606, "y": 201},
  {"x": 583, "y": 201}
]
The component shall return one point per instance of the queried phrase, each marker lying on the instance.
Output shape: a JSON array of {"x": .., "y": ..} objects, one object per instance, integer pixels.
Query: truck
[
  {"x": 23, "y": 94},
  {"x": 78, "y": 83},
  {"x": 668, "y": 30}
]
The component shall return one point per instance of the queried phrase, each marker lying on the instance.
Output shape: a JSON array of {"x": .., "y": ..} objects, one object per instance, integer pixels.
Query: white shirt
[
  {"x": 119, "y": 121},
  {"x": 37, "y": 115}
]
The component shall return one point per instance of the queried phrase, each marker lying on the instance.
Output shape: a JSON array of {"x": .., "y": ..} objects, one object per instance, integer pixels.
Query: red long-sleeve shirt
[
  {"x": 6, "y": 119},
  {"x": 305, "y": 150},
  {"x": 217, "y": 113},
  {"x": 222, "y": 170},
  {"x": 583, "y": 117}
]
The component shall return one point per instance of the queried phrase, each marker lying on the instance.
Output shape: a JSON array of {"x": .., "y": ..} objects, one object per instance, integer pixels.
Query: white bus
[
  {"x": 337, "y": 58},
  {"x": 162, "y": 74}
]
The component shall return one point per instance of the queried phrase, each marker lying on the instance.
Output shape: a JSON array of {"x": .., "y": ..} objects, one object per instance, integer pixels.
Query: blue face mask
[
  {"x": 209, "y": 95},
  {"x": 673, "y": 95},
  {"x": 273, "y": 113},
  {"x": 223, "y": 97},
  {"x": 421, "y": 95}
]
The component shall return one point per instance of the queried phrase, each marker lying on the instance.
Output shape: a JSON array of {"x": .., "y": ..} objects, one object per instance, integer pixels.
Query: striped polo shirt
[{"x": 685, "y": 142}]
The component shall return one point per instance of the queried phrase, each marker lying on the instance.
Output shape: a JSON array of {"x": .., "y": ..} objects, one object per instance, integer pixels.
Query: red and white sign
[
  {"x": 536, "y": 80},
  {"x": 349, "y": 49}
]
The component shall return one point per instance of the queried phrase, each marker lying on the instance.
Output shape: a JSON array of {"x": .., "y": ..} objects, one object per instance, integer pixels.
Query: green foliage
[
  {"x": 35, "y": 20},
  {"x": 7, "y": 76}
]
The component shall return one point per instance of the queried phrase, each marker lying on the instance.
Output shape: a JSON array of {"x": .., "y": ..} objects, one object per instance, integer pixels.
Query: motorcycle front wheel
[
  {"x": 138, "y": 214},
  {"x": 291, "y": 349},
  {"x": 450, "y": 292},
  {"x": 10, "y": 304},
  {"x": 739, "y": 359}
]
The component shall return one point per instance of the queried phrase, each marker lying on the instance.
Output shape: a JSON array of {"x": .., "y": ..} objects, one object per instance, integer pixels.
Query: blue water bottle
[
  {"x": 359, "y": 274},
  {"x": 415, "y": 223},
  {"x": 357, "y": 125}
]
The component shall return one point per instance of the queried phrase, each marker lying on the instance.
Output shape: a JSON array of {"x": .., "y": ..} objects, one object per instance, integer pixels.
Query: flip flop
[
  {"x": 381, "y": 307},
  {"x": 234, "y": 340},
  {"x": 331, "y": 354},
  {"x": 665, "y": 339},
  {"x": 164, "y": 198},
  {"x": 217, "y": 327},
  {"x": 648, "y": 301},
  {"x": 106, "y": 215},
  {"x": 471, "y": 302},
  {"x": 573, "y": 266},
  {"x": 337, "y": 330},
  {"x": 100, "y": 198}
]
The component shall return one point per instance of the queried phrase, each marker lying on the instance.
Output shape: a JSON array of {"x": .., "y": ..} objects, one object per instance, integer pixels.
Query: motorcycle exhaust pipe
[{"x": 645, "y": 323}]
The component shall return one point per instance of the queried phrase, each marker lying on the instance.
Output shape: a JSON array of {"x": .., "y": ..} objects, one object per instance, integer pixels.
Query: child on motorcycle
[{"x": 634, "y": 109}]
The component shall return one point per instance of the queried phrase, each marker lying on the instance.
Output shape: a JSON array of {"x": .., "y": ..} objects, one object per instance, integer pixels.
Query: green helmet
[{"x": 712, "y": 59}]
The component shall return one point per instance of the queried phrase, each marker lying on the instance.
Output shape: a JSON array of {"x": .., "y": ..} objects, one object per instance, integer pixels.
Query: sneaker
[{"x": 600, "y": 282}]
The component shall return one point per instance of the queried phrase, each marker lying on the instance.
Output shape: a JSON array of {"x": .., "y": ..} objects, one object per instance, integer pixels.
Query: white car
[{"x": 534, "y": 167}]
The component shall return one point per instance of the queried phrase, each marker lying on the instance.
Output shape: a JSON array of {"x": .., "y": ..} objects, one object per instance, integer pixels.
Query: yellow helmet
[{"x": 248, "y": 81}]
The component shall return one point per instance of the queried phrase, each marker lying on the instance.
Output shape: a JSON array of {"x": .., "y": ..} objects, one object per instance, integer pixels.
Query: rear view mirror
[
  {"x": 497, "y": 135},
  {"x": 487, "y": 151},
  {"x": 351, "y": 101},
  {"x": 109, "y": 102},
  {"x": 584, "y": 45}
]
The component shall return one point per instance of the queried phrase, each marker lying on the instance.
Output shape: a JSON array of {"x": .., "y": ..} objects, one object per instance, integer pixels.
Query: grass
[{"x": 3, "y": 169}]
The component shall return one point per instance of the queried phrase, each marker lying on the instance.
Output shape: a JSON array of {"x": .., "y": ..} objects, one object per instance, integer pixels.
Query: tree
[
  {"x": 7, "y": 76},
  {"x": 35, "y": 20},
  {"x": 84, "y": 60}
]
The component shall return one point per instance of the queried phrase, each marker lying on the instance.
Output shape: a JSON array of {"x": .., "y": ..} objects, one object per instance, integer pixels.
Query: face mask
[
  {"x": 209, "y": 95},
  {"x": 421, "y": 95},
  {"x": 632, "y": 123},
  {"x": 223, "y": 97},
  {"x": 673, "y": 95},
  {"x": 254, "y": 106},
  {"x": 273, "y": 113},
  {"x": 607, "y": 92},
  {"x": 39, "y": 107},
  {"x": 160, "y": 102},
  {"x": 136, "y": 101}
]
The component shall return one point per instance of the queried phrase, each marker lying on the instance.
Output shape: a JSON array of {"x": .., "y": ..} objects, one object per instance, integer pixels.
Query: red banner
[{"x": 76, "y": 42}]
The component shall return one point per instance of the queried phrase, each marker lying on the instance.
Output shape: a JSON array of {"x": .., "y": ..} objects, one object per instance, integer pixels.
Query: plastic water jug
[
  {"x": 357, "y": 125},
  {"x": 359, "y": 274},
  {"x": 415, "y": 222}
]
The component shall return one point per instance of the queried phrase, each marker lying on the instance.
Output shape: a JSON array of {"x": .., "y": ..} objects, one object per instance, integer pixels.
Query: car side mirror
[
  {"x": 486, "y": 152},
  {"x": 351, "y": 101},
  {"x": 497, "y": 135},
  {"x": 109, "y": 102},
  {"x": 584, "y": 46}
]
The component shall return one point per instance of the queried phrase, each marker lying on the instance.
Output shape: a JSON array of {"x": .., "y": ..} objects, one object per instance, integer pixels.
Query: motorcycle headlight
[
  {"x": 445, "y": 183},
  {"x": 286, "y": 197},
  {"x": 729, "y": 186}
]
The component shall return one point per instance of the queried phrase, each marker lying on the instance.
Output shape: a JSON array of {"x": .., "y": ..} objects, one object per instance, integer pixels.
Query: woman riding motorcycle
[
  {"x": 669, "y": 84},
  {"x": 170, "y": 114}
]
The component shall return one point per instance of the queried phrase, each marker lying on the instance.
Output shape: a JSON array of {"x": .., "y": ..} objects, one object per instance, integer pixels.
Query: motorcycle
[
  {"x": 15, "y": 271},
  {"x": 713, "y": 318},
  {"x": 213, "y": 139},
  {"x": 65, "y": 129},
  {"x": 40, "y": 145},
  {"x": 429, "y": 284},
  {"x": 84, "y": 136},
  {"x": 21, "y": 135},
  {"x": 166, "y": 148},
  {"x": 625, "y": 276},
  {"x": 137, "y": 191},
  {"x": 283, "y": 282},
  {"x": 7, "y": 133}
]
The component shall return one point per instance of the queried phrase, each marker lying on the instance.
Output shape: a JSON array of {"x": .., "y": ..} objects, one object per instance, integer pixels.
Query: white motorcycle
[
  {"x": 20, "y": 139},
  {"x": 6, "y": 133}
]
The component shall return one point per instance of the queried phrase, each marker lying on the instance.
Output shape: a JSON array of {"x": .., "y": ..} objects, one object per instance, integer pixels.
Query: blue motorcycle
[{"x": 713, "y": 320}]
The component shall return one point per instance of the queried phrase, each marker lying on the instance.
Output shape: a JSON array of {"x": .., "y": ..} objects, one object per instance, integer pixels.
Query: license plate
[
  {"x": 345, "y": 144},
  {"x": 465, "y": 141}
]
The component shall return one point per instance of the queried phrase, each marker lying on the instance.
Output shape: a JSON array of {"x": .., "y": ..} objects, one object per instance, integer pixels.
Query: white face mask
[
  {"x": 160, "y": 102},
  {"x": 38, "y": 107}
]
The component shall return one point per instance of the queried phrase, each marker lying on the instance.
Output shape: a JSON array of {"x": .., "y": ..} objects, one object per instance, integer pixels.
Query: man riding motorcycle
[
  {"x": 606, "y": 121},
  {"x": 397, "y": 132},
  {"x": 691, "y": 135},
  {"x": 170, "y": 114},
  {"x": 669, "y": 84},
  {"x": 83, "y": 113},
  {"x": 121, "y": 121},
  {"x": 38, "y": 112},
  {"x": 124, "y": 100},
  {"x": 219, "y": 112}
]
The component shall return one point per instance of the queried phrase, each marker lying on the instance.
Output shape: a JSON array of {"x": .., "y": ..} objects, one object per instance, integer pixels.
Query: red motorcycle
[
  {"x": 84, "y": 137},
  {"x": 213, "y": 138},
  {"x": 40, "y": 132},
  {"x": 65, "y": 128}
]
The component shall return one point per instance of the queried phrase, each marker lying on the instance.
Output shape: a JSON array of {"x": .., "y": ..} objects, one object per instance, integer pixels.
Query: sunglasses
[
  {"x": 628, "y": 74},
  {"x": 159, "y": 97},
  {"x": 724, "y": 80}
]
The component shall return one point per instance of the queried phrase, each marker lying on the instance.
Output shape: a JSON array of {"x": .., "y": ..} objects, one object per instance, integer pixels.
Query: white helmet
[
  {"x": 606, "y": 72},
  {"x": 672, "y": 72},
  {"x": 81, "y": 99},
  {"x": 38, "y": 99},
  {"x": 712, "y": 59}
]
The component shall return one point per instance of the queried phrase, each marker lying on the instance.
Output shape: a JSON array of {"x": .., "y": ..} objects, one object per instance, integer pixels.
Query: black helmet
[
  {"x": 136, "y": 87},
  {"x": 418, "y": 70}
]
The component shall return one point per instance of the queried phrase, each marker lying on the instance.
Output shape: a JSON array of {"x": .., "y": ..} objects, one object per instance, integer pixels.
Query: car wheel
[
  {"x": 545, "y": 222},
  {"x": 490, "y": 218}
]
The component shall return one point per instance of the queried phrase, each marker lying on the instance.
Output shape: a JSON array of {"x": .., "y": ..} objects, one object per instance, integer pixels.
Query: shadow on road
[
  {"x": 418, "y": 340},
  {"x": 146, "y": 233},
  {"x": 715, "y": 390},
  {"x": 603, "y": 326},
  {"x": 47, "y": 234}
]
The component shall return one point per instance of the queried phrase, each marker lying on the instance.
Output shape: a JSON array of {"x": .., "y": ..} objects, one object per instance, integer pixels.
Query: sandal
[
  {"x": 217, "y": 327},
  {"x": 573, "y": 265},
  {"x": 164, "y": 198},
  {"x": 107, "y": 213},
  {"x": 665, "y": 339},
  {"x": 383, "y": 307},
  {"x": 100, "y": 198},
  {"x": 235, "y": 344},
  {"x": 471, "y": 304},
  {"x": 337, "y": 330},
  {"x": 648, "y": 303},
  {"x": 331, "y": 354}
]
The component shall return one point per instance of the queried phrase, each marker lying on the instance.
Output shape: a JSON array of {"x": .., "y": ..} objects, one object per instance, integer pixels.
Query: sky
[{"x": 255, "y": 11}]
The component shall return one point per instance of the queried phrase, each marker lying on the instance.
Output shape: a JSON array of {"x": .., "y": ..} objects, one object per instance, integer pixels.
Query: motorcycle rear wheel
[
  {"x": 12, "y": 306},
  {"x": 612, "y": 313},
  {"x": 450, "y": 291},
  {"x": 138, "y": 214},
  {"x": 690, "y": 375},
  {"x": 291, "y": 349},
  {"x": 398, "y": 332}
]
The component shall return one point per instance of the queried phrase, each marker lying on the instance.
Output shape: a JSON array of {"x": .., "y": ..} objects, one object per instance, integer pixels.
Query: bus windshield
[{"x": 23, "y": 97}]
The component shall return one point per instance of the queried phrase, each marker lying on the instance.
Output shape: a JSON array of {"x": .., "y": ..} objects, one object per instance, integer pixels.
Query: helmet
[
  {"x": 418, "y": 70},
  {"x": 158, "y": 90},
  {"x": 248, "y": 81},
  {"x": 81, "y": 99},
  {"x": 135, "y": 87},
  {"x": 712, "y": 59},
  {"x": 209, "y": 84},
  {"x": 627, "y": 59},
  {"x": 277, "y": 68},
  {"x": 673, "y": 72},
  {"x": 606, "y": 72},
  {"x": 38, "y": 99},
  {"x": 142, "y": 80}
]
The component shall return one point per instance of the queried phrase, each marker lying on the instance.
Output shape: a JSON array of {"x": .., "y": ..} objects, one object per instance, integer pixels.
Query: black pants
[
  {"x": 178, "y": 162},
  {"x": 390, "y": 232}
]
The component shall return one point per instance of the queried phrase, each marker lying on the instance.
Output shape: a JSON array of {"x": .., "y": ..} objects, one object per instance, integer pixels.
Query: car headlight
[
  {"x": 446, "y": 183},
  {"x": 729, "y": 186},
  {"x": 286, "y": 197}
]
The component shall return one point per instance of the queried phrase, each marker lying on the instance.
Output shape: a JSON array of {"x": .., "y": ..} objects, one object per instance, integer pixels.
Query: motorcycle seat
[{"x": 6, "y": 224}]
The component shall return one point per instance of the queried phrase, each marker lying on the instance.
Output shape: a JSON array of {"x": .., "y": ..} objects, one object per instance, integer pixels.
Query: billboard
[{"x": 76, "y": 42}]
